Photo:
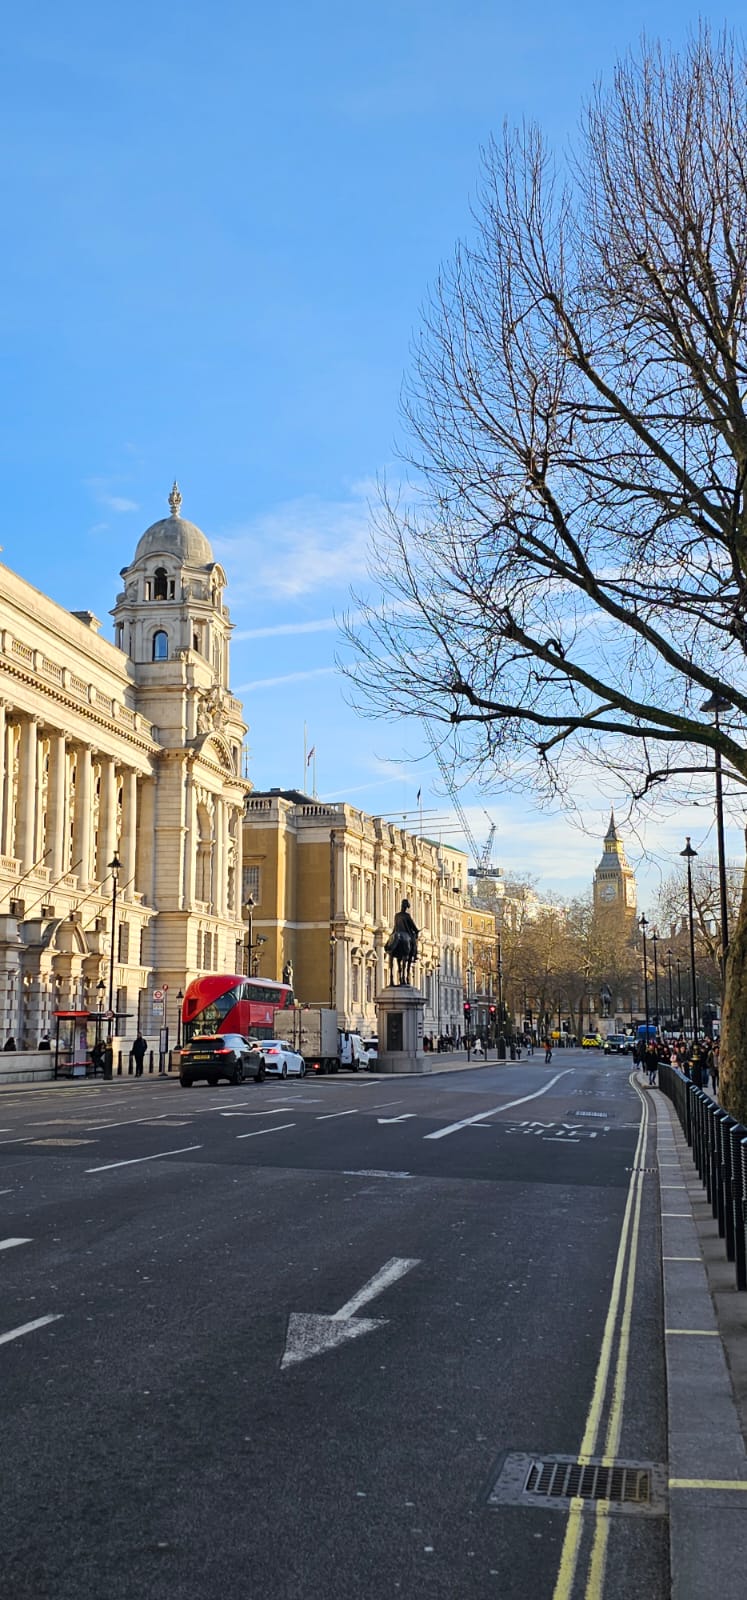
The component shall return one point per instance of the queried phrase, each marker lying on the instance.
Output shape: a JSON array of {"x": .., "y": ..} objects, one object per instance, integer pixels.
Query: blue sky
[{"x": 220, "y": 224}]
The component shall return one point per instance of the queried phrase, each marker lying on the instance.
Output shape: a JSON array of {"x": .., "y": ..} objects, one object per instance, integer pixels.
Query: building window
[
  {"x": 198, "y": 952},
  {"x": 355, "y": 891},
  {"x": 172, "y": 588},
  {"x": 160, "y": 584},
  {"x": 369, "y": 984},
  {"x": 385, "y": 899},
  {"x": 160, "y": 646},
  {"x": 123, "y": 942},
  {"x": 250, "y": 884},
  {"x": 369, "y": 897},
  {"x": 356, "y": 985}
]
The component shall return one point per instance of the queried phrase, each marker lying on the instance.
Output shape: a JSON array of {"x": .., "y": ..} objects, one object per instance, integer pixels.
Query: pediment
[{"x": 215, "y": 748}]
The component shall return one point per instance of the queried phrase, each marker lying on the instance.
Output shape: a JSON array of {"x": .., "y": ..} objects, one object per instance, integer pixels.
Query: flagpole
[
  {"x": 314, "y": 777},
  {"x": 305, "y": 760}
]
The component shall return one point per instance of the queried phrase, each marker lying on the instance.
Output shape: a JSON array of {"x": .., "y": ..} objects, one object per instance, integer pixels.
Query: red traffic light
[{"x": 467, "y": 1008}]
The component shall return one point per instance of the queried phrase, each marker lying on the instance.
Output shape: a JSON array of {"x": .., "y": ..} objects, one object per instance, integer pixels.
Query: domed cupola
[{"x": 174, "y": 536}]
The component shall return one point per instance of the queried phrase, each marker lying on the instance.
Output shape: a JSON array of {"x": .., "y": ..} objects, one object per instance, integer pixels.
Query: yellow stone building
[
  {"x": 323, "y": 882},
  {"x": 127, "y": 752}
]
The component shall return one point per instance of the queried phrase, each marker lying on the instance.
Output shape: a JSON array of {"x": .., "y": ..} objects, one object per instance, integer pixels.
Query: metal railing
[{"x": 719, "y": 1148}]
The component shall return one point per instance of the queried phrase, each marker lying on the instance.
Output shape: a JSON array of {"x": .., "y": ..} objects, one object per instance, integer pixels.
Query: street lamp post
[
  {"x": 179, "y": 998},
  {"x": 643, "y": 924},
  {"x": 100, "y": 992},
  {"x": 671, "y": 995},
  {"x": 655, "y": 941},
  {"x": 500, "y": 1050},
  {"x": 690, "y": 855},
  {"x": 680, "y": 1017},
  {"x": 249, "y": 908},
  {"x": 332, "y": 944},
  {"x": 115, "y": 867},
  {"x": 716, "y": 703}
]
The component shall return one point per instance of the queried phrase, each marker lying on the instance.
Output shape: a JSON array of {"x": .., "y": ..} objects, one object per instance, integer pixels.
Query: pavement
[{"x": 705, "y": 1349}]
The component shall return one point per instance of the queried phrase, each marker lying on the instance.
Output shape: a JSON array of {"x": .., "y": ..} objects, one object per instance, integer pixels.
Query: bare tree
[{"x": 568, "y": 582}]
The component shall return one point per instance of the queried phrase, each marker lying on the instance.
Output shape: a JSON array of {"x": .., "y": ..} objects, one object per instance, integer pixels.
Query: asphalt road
[{"x": 197, "y": 1424}]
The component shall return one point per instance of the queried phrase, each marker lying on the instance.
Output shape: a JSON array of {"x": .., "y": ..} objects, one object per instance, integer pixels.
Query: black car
[{"x": 220, "y": 1055}]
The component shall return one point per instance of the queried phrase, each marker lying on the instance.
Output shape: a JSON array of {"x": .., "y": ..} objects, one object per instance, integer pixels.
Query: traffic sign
[{"x": 158, "y": 994}]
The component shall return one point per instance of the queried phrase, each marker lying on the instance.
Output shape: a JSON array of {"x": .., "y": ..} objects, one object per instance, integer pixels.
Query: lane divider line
[
  {"x": 467, "y": 1122},
  {"x": 277, "y": 1127},
  {"x": 9, "y": 1244},
  {"x": 328, "y": 1115},
  {"x": 135, "y": 1161},
  {"x": 708, "y": 1483},
  {"x": 28, "y": 1327}
]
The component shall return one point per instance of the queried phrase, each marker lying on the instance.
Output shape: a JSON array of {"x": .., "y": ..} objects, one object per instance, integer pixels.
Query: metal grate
[{"x": 553, "y": 1481}]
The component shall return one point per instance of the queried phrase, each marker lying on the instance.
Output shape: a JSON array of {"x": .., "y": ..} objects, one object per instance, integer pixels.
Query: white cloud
[
  {"x": 299, "y": 547},
  {"x": 288, "y": 677},
  {"x": 280, "y": 629},
  {"x": 103, "y": 495}
]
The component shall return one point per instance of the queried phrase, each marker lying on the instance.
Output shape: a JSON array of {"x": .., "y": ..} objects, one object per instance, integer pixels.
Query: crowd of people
[{"x": 697, "y": 1059}]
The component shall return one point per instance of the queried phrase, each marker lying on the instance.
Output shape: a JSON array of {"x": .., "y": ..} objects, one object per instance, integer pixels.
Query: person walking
[
  {"x": 138, "y": 1053},
  {"x": 713, "y": 1066},
  {"x": 548, "y": 1051},
  {"x": 651, "y": 1061}
]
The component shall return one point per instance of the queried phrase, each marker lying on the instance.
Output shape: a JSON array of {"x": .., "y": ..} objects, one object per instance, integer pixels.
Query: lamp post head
[
  {"x": 115, "y": 865},
  {"x": 688, "y": 851},
  {"x": 716, "y": 702},
  {"x": 643, "y": 923}
]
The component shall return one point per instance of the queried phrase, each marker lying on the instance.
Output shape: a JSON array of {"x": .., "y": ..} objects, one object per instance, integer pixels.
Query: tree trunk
[{"x": 733, "y": 1052}]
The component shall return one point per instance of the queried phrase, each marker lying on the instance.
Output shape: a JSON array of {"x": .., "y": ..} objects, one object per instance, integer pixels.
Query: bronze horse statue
[{"x": 402, "y": 945}]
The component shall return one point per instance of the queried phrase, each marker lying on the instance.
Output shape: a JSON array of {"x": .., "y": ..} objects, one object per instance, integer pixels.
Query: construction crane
[{"x": 482, "y": 858}]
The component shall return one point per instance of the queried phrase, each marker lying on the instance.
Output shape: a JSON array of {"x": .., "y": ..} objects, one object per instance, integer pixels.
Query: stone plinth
[{"x": 399, "y": 1010}]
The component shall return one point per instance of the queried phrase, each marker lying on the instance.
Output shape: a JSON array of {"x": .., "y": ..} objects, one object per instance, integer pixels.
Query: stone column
[
  {"x": 128, "y": 841},
  {"x": 57, "y": 840},
  {"x": 26, "y": 819},
  {"x": 2, "y": 770},
  {"x": 106, "y": 842},
  {"x": 8, "y": 791},
  {"x": 82, "y": 819},
  {"x": 219, "y": 858},
  {"x": 190, "y": 844}
]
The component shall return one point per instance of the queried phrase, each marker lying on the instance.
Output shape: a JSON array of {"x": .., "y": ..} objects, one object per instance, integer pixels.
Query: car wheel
[
  {"x": 259, "y": 1076},
  {"x": 284, "y": 1073},
  {"x": 238, "y": 1076},
  {"x": 302, "y": 1073},
  {"x": 213, "y": 1082},
  {"x": 186, "y": 1083}
]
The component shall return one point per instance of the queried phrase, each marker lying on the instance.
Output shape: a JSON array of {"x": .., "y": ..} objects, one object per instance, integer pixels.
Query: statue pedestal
[{"x": 399, "y": 1010}]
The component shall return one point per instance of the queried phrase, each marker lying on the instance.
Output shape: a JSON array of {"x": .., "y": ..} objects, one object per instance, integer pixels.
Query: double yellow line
[{"x": 616, "y": 1334}]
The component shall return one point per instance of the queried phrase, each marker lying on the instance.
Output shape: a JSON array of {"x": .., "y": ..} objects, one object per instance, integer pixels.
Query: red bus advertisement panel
[{"x": 220, "y": 1003}]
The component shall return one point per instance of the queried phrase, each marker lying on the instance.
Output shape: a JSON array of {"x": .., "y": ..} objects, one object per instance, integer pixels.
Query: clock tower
[{"x": 614, "y": 882}]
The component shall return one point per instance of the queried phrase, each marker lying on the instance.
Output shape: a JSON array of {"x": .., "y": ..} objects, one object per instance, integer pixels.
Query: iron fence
[{"x": 719, "y": 1149}]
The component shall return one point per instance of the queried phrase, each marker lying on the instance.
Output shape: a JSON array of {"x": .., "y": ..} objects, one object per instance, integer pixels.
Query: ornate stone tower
[
  {"x": 614, "y": 882},
  {"x": 171, "y": 620}
]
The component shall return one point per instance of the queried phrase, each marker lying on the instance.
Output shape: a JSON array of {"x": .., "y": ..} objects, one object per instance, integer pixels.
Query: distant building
[
  {"x": 325, "y": 881},
  {"x": 615, "y": 897}
]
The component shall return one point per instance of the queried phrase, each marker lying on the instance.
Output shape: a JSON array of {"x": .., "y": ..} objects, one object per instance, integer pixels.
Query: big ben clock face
[{"x": 608, "y": 891}]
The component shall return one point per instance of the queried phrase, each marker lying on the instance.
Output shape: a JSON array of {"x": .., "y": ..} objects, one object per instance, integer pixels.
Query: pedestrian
[
  {"x": 10, "y": 1043},
  {"x": 713, "y": 1066},
  {"x": 651, "y": 1060},
  {"x": 45, "y": 1042},
  {"x": 138, "y": 1052},
  {"x": 98, "y": 1052},
  {"x": 548, "y": 1051}
]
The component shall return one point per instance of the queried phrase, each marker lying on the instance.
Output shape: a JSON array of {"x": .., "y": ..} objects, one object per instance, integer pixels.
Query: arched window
[
  {"x": 160, "y": 584},
  {"x": 160, "y": 646}
]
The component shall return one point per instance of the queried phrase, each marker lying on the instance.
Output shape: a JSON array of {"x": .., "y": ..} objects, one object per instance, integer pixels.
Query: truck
[{"x": 314, "y": 1032}]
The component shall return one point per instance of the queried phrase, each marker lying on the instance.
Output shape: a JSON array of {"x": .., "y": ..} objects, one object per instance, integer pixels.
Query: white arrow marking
[
  {"x": 311, "y": 1334},
  {"x": 405, "y": 1117}
]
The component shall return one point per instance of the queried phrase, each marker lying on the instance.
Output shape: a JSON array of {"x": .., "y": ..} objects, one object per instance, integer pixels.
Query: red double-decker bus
[{"x": 218, "y": 1003}]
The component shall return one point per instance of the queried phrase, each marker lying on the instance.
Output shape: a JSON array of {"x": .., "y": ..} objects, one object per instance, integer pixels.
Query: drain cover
[{"x": 553, "y": 1481}]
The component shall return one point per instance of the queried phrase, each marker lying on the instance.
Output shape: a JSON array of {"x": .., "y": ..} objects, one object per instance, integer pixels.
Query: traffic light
[
  {"x": 467, "y": 1010},
  {"x": 491, "y": 1012}
]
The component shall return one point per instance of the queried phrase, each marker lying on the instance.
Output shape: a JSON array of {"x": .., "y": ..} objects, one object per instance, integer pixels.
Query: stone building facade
[
  {"x": 126, "y": 752},
  {"x": 615, "y": 896},
  {"x": 325, "y": 881}
]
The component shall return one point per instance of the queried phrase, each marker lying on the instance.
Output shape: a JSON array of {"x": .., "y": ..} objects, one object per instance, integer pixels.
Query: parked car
[
  {"x": 280, "y": 1060},
  {"x": 617, "y": 1044},
  {"x": 592, "y": 1041},
  {"x": 212, "y": 1056},
  {"x": 371, "y": 1047}
]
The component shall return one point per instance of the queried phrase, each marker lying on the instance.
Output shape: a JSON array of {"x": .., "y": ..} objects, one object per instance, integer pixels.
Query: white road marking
[
  {"x": 6, "y": 1191},
  {"x": 329, "y": 1114},
  {"x": 23, "y": 1139},
  {"x": 278, "y": 1113},
  {"x": 467, "y": 1122},
  {"x": 277, "y": 1127},
  {"x": 373, "y": 1172},
  {"x": 28, "y": 1327},
  {"x": 129, "y": 1122},
  {"x": 383, "y": 1103},
  {"x": 8, "y": 1244},
  {"x": 136, "y": 1160},
  {"x": 312, "y": 1334},
  {"x": 404, "y": 1116}
]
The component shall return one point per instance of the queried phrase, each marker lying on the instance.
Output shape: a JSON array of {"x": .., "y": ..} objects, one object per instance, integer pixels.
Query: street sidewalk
[{"x": 705, "y": 1346}]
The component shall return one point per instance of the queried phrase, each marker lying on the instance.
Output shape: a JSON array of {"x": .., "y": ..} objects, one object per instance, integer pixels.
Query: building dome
[{"x": 173, "y": 536}]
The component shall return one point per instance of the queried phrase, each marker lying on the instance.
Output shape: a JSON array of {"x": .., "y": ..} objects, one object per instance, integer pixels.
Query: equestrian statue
[{"x": 402, "y": 945}]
